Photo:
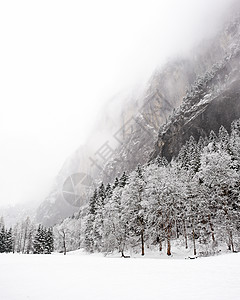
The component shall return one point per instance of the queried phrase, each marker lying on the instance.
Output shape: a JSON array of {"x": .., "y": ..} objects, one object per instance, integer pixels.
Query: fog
[{"x": 60, "y": 61}]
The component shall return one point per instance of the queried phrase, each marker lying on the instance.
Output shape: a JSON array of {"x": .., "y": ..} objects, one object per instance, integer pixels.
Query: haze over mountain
[
  {"x": 133, "y": 131},
  {"x": 61, "y": 115}
]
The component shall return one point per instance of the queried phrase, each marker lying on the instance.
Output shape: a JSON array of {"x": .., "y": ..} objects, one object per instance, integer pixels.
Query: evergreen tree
[
  {"x": 38, "y": 242},
  {"x": 123, "y": 180},
  {"x": 222, "y": 190},
  {"x": 49, "y": 241},
  {"x": 224, "y": 138},
  {"x": 115, "y": 235},
  {"x": 193, "y": 155},
  {"x": 133, "y": 211},
  {"x": 108, "y": 190},
  {"x": 89, "y": 223},
  {"x": 116, "y": 182},
  {"x": 9, "y": 241},
  {"x": 212, "y": 141},
  {"x": 99, "y": 218},
  {"x": 2, "y": 239}
]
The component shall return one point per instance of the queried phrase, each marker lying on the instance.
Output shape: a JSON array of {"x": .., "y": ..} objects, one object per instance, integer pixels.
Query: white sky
[{"x": 61, "y": 60}]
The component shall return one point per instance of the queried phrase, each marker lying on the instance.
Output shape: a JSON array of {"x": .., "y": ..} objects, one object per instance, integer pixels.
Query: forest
[{"x": 193, "y": 201}]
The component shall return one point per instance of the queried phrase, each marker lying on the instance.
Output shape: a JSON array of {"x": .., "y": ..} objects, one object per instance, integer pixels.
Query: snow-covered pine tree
[
  {"x": 217, "y": 174},
  {"x": 223, "y": 138},
  {"x": 116, "y": 228},
  {"x": 116, "y": 182},
  {"x": 212, "y": 141},
  {"x": 194, "y": 155},
  {"x": 2, "y": 239},
  {"x": 193, "y": 213},
  {"x": 89, "y": 223},
  {"x": 133, "y": 212},
  {"x": 38, "y": 247},
  {"x": 123, "y": 180},
  {"x": 49, "y": 241},
  {"x": 108, "y": 190},
  {"x": 153, "y": 204},
  {"x": 31, "y": 232},
  {"x": 9, "y": 241},
  {"x": 98, "y": 225}
]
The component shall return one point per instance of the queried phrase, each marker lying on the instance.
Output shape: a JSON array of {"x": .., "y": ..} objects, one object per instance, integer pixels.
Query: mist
[{"x": 61, "y": 62}]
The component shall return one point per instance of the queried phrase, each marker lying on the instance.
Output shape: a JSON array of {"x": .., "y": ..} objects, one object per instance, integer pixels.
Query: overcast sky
[{"x": 59, "y": 63}]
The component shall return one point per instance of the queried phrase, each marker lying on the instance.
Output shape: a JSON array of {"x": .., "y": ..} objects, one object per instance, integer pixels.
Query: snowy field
[{"x": 58, "y": 277}]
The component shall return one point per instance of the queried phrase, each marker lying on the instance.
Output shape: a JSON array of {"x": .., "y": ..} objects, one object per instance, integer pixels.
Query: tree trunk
[
  {"x": 177, "y": 231},
  {"x": 212, "y": 229},
  {"x": 194, "y": 243},
  {"x": 64, "y": 244},
  {"x": 185, "y": 234},
  {"x": 24, "y": 241},
  {"x": 169, "y": 240},
  {"x": 142, "y": 241},
  {"x": 231, "y": 240},
  {"x": 160, "y": 245}
]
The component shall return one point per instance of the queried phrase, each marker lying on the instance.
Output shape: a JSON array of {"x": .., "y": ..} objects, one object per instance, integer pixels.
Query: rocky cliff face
[
  {"x": 212, "y": 101},
  {"x": 129, "y": 125},
  {"x": 221, "y": 110}
]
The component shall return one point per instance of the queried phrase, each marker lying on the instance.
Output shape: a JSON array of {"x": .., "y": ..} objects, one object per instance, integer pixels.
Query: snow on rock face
[
  {"x": 87, "y": 277},
  {"x": 222, "y": 110}
]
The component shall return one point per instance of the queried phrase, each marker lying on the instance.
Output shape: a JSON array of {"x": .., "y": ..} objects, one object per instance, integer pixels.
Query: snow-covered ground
[{"x": 93, "y": 277}]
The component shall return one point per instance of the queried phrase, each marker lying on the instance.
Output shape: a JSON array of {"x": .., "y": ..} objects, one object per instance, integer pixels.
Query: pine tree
[
  {"x": 193, "y": 155},
  {"x": 123, "y": 180},
  {"x": 108, "y": 191},
  {"x": 49, "y": 241},
  {"x": 89, "y": 223},
  {"x": 192, "y": 212},
  {"x": 224, "y": 138},
  {"x": 31, "y": 231},
  {"x": 222, "y": 189},
  {"x": 133, "y": 211},
  {"x": 2, "y": 239},
  {"x": 182, "y": 157},
  {"x": 98, "y": 226},
  {"x": 116, "y": 182},
  {"x": 38, "y": 247},
  {"x": 9, "y": 241},
  {"x": 153, "y": 205},
  {"x": 212, "y": 140}
]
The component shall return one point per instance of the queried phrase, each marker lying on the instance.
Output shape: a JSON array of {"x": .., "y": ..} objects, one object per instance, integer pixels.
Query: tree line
[
  {"x": 25, "y": 237},
  {"x": 192, "y": 201}
]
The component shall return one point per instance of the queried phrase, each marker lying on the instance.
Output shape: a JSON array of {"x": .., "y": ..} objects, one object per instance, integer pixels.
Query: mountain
[
  {"x": 212, "y": 101},
  {"x": 129, "y": 125},
  {"x": 190, "y": 95}
]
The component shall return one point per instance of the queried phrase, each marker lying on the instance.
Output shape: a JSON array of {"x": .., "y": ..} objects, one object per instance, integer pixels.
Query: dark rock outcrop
[{"x": 222, "y": 110}]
